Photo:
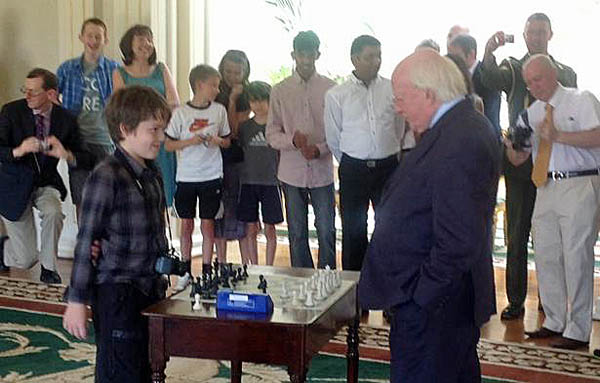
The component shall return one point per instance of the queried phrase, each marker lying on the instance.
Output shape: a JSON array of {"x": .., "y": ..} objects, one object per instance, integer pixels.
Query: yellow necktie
[{"x": 539, "y": 174}]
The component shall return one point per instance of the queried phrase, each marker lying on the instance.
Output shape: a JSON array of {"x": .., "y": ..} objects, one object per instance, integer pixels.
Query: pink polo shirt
[{"x": 298, "y": 105}]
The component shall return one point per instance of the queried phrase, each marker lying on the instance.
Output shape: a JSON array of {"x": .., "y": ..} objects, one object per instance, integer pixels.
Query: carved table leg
[
  {"x": 236, "y": 371},
  {"x": 352, "y": 352},
  {"x": 156, "y": 345},
  {"x": 298, "y": 376}
]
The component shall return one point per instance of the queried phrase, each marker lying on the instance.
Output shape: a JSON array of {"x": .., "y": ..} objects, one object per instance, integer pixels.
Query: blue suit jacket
[{"x": 430, "y": 231}]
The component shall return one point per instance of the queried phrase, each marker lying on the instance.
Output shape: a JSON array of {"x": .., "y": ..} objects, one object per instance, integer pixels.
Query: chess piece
[
  {"x": 302, "y": 293},
  {"x": 262, "y": 285},
  {"x": 285, "y": 294},
  {"x": 309, "y": 302},
  {"x": 245, "y": 271},
  {"x": 196, "y": 305}
]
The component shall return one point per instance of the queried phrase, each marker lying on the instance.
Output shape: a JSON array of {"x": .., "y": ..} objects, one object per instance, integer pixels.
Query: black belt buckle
[
  {"x": 557, "y": 175},
  {"x": 371, "y": 163}
]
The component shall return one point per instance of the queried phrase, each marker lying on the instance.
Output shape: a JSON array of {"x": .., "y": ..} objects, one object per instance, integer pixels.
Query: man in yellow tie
[{"x": 566, "y": 162}]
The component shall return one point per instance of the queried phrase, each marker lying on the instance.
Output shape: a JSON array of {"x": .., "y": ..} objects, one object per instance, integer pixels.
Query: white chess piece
[
  {"x": 196, "y": 306},
  {"x": 309, "y": 302},
  {"x": 321, "y": 295},
  {"x": 285, "y": 294},
  {"x": 302, "y": 293}
]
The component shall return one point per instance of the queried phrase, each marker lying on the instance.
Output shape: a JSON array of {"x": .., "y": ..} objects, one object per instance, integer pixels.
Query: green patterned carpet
[{"x": 35, "y": 348}]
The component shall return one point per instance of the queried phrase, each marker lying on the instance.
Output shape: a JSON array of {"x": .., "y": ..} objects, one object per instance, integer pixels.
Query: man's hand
[
  {"x": 75, "y": 320},
  {"x": 548, "y": 131},
  {"x": 29, "y": 145},
  {"x": 57, "y": 149},
  {"x": 299, "y": 140},
  {"x": 516, "y": 157},
  {"x": 497, "y": 40},
  {"x": 310, "y": 152}
]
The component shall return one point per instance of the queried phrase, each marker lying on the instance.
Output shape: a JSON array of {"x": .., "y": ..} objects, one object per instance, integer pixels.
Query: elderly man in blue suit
[{"x": 427, "y": 262}]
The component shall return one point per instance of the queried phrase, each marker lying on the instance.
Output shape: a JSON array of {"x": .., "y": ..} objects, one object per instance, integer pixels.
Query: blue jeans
[{"x": 296, "y": 211}]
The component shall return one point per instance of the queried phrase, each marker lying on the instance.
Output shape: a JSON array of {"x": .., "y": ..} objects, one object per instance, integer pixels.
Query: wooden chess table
[{"x": 290, "y": 336}]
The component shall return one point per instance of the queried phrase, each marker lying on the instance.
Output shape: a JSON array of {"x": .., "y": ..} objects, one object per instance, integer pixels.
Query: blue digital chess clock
[{"x": 246, "y": 302}]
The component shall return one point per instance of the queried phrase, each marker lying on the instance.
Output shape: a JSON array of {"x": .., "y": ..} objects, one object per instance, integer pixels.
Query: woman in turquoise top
[{"x": 141, "y": 68}]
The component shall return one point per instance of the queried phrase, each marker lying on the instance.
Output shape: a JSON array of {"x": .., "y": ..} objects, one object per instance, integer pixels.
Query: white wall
[{"x": 28, "y": 38}]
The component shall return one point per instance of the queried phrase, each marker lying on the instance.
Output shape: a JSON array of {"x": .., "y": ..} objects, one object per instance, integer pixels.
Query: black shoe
[
  {"x": 3, "y": 266},
  {"x": 50, "y": 277},
  {"x": 512, "y": 312},
  {"x": 568, "y": 343},
  {"x": 542, "y": 333}
]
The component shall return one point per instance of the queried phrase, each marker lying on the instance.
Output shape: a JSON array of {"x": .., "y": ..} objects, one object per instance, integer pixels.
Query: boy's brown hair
[
  {"x": 131, "y": 105},
  {"x": 202, "y": 73},
  {"x": 95, "y": 21}
]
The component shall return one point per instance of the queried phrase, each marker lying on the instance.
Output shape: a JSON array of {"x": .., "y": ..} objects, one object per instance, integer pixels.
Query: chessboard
[{"x": 315, "y": 292}]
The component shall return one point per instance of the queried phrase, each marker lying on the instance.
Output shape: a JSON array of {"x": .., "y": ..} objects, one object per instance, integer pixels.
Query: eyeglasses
[{"x": 31, "y": 92}]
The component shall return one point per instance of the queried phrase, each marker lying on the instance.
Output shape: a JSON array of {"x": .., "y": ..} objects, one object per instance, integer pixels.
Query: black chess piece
[
  {"x": 262, "y": 284},
  {"x": 216, "y": 267},
  {"x": 225, "y": 282},
  {"x": 245, "y": 272}
]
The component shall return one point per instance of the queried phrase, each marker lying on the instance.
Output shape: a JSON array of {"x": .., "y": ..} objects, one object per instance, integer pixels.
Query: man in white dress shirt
[
  {"x": 365, "y": 135},
  {"x": 566, "y": 157}
]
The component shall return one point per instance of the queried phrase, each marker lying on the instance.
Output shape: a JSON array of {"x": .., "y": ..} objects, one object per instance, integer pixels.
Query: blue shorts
[{"x": 269, "y": 197}]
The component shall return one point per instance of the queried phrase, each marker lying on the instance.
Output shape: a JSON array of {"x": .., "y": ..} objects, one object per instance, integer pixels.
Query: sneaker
[{"x": 182, "y": 282}]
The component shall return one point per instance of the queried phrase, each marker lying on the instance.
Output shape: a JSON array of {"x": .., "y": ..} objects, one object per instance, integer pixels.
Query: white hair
[{"x": 441, "y": 76}]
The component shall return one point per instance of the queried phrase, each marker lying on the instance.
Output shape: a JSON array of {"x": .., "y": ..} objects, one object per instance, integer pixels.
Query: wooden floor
[{"x": 495, "y": 329}]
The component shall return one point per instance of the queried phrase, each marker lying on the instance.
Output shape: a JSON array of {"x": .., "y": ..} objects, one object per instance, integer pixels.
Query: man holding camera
[
  {"x": 34, "y": 135},
  {"x": 520, "y": 191},
  {"x": 566, "y": 162}
]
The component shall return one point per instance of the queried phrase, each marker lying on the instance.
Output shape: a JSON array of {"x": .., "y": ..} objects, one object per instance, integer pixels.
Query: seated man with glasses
[{"x": 35, "y": 134}]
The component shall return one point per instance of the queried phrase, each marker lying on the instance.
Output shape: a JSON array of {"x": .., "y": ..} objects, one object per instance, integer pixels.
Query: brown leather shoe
[
  {"x": 568, "y": 343},
  {"x": 541, "y": 333}
]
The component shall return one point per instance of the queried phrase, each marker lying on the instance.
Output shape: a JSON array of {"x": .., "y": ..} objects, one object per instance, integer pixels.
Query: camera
[
  {"x": 509, "y": 38},
  {"x": 168, "y": 264},
  {"x": 520, "y": 133}
]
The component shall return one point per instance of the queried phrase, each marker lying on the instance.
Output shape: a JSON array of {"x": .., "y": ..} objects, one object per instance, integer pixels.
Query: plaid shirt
[
  {"x": 126, "y": 214},
  {"x": 70, "y": 81}
]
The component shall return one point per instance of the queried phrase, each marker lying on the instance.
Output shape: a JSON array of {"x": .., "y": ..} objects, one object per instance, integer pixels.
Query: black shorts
[
  {"x": 208, "y": 193},
  {"x": 269, "y": 197}
]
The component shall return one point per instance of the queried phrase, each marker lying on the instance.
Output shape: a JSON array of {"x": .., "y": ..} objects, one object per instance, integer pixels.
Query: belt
[
  {"x": 558, "y": 175},
  {"x": 390, "y": 160}
]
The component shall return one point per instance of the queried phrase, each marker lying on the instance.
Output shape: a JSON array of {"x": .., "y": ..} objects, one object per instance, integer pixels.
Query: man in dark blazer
[
  {"x": 35, "y": 134},
  {"x": 465, "y": 47},
  {"x": 427, "y": 262}
]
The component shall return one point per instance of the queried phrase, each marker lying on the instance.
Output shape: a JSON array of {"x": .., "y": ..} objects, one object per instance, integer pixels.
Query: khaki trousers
[
  {"x": 565, "y": 225},
  {"x": 21, "y": 249}
]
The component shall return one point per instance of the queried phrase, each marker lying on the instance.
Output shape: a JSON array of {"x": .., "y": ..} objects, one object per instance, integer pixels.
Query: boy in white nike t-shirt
[{"x": 198, "y": 129}]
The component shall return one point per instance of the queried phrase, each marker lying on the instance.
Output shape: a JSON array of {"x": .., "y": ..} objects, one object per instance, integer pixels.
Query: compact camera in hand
[{"x": 168, "y": 264}]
